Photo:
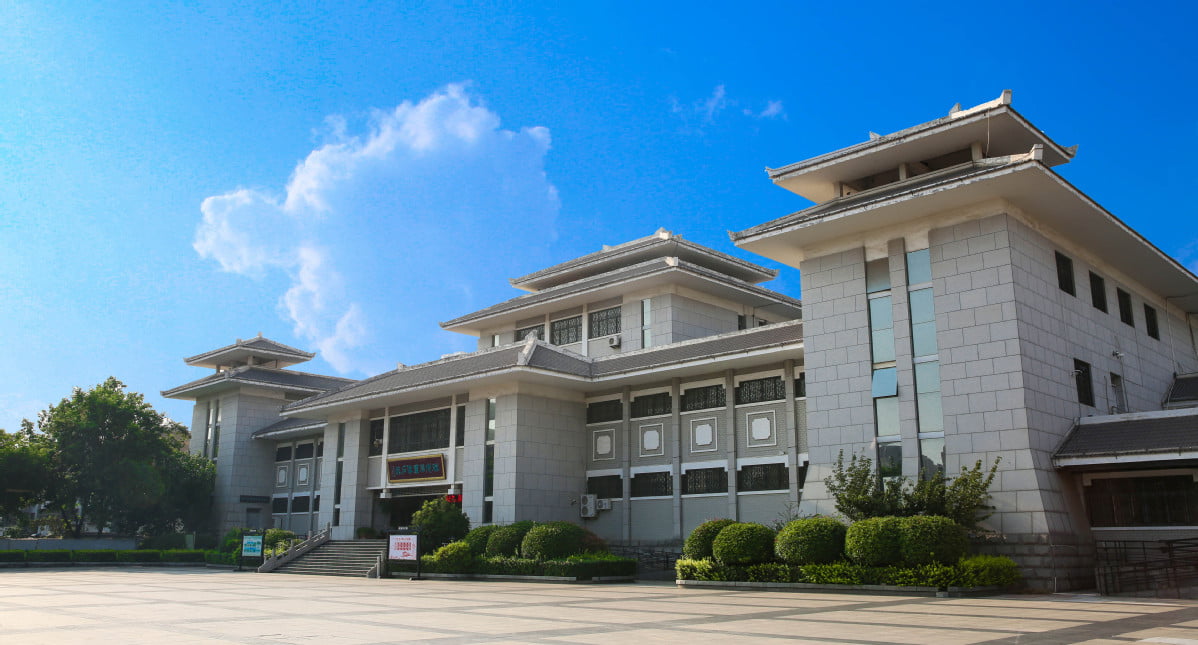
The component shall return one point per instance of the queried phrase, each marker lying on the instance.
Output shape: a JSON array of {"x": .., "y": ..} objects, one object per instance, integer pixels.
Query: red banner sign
[{"x": 416, "y": 469}]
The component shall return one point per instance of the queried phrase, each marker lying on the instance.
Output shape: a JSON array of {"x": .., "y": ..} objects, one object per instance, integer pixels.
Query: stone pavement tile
[
  {"x": 314, "y": 630},
  {"x": 476, "y": 623},
  {"x": 31, "y": 619},
  {"x": 123, "y": 635},
  {"x": 1185, "y": 634},
  {"x": 480, "y": 597},
  {"x": 1103, "y": 641},
  {"x": 183, "y": 596},
  {"x": 61, "y": 600},
  {"x": 575, "y": 613},
  {"x": 693, "y": 608},
  {"x": 791, "y": 628},
  {"x": 292, "y": 606},
  {"x": 162, "y": 612},
  {"x": 670, "y": 636},
  {"x": 943, "y": 608},
  {"x": 998, "y": 624},
  {"x": 785, "y": 600},
  {"x": 1106, "y": 604}
]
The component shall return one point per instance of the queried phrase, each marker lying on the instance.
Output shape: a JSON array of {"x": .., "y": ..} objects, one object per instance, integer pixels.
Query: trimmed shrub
[
  {"x": 139, "y": 555},
  {"x": 506, "y": 540},
  {"x": 552, "y": 540},
  {"x": 99, "y": 555},
  {"x": 503, "y": 566},
  {"x": 743, "y": 543},
  {"x": 182, "y": 555},
  {"x": 874, "y": 542},
  {"x": 273, "y": 537},
  {"x": 770, "y": 572},
  {"x": 231, "y": 542},
  {"x": 698, "y": 543},
  {"x": 12, "y": 555},
  {"x": 592, "y": 543},
  {"x": 168, "y": 541},
  {"x": 814, "y": 540},
  {"x": 925, "y": 539},
  {"x": 56, "y": 555},
  {"x": 455, "y": 557},
  {"x": 585, "y": 567},
  {"x": 987, "y": 570},
  {"x": 698, "y": 569},
  {"x": 477, "y": 538},
  {"x": 439, "y": 522},
  {"x": 835, "y": 573}
]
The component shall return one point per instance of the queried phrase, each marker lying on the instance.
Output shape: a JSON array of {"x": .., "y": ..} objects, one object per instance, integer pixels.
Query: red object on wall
[{"x": 454, "y": 499}]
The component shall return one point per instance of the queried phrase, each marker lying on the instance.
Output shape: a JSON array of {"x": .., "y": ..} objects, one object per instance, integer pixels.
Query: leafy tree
[
  {"x": 24, "y": 470},
  {"x": 861, "y": 492},
  {"x": 117, "y": 462},
  {"x": 439, "y": 523}
]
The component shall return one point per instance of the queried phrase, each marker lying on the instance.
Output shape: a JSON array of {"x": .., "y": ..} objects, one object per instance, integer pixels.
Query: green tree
[
  {"x": 116, "y": 461},
  {"x": 439, "y": 522},
  {"x": 24, "y": 470}
]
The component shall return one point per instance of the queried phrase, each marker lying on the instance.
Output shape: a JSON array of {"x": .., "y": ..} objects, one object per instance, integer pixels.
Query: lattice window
[
  {"x": 702, "y": 398},
  {"x": 564, "y": 332},
  {"x": 523, "y": 332},
  {"x": 604, "y": 411},
  {"x": 704, "y": 480},
  {"x": 606, "y": 486},
  {"x": 762, "y": 477},
  {"x": 762, "y": 389},
  {"x": 604, "y": 323},
  {"x": 651, "y": 405},
  {"x": 658, "y": 484}
]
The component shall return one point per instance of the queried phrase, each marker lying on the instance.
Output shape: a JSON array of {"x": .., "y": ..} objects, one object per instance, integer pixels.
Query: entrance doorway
[{"x": 401, "y": 509}]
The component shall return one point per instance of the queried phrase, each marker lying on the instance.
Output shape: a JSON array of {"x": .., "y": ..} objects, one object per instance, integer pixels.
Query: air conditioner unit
[
  {"x": 603, "y": 504},
  {"x": 613, "y": 340},
  {"x": 587, "y": 507}
]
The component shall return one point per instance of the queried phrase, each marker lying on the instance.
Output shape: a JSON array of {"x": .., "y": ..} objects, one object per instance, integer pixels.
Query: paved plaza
[{"x": 176, "y": 606}]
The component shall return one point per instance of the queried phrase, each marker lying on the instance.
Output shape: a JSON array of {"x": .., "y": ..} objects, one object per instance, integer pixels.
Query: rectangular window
[
  {"x": 705, "y": 480},
  {"x": 881, "y": 327},
  {"x": 703, "y": 398},
  {"x": 1065, "y": 274},
  {"x": 214, "y": 424},
  {"x": 523, "y": 332},
  {"x": 646, "y": 323},
  {"x": 886, "y": 416},
  {"x": 890, "y": 459},
  {"x": 885, "y": 382},
  {"x": 460, "y": 428},
  {"x": 762, "y": 389},
  {"x": 337, "y": 482},
  {"x": 651, "y": 405},
  {"x": 1149, "y": 323},
  {"x": 492, "y": 415},
  {"x": 488, "y": 512},
  {"x": 877, "y": 275},
  {"x": 283, "y": 453},
  {"x": 604, "y": 411},
  {"x": 923, "y": 323},
  {"x": 604, "y": 323},
  {"x": 927, "y": 397},
  {"x": 1118, "y": 395},
  {"x": 1085, "y": 385},
  {"x": 801, "y": 384},
  {"x": 376, "y": 437},
  {"x": 1169, "y": 500},
  {"x": 304, "y": 451},
  {"x": 300, "y": 504},
  {"x": 658, "y": 484},
  {"x": 919, "y": 267},
  {"x": 420, "y": 431},
  {"x": 762, "y": 477},
  {"x": 494, "y": 340},
  {"x": 489, "y": 471},
  {"x": 1125, "y": 313},
  {"x": 340, "y": 440},
  {"x": 1098, "y": 292},
  {"x": 566, "y": 331},
  {"x": 931, "y": 457},
  {"x": 606, "y": 486},
  {"x": 278, "y": 505}
]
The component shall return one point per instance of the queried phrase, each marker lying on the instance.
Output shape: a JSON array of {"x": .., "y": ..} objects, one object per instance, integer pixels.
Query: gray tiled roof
[
  {"x": 1135, "y": 434},
  {"x": 544, "y": 356},
  {"x": 1184, "y": 390},
  {"x": 266, "y": 376},
  {"x": 920, "y": 182},
  {"x": 287, "y": 425},
  {"x": 651, "y": 267},
  {"x": 258, "y": 343}
]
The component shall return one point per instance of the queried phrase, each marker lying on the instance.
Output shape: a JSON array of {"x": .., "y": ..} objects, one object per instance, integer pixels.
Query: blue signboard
[{"x": 251, "y": 545}]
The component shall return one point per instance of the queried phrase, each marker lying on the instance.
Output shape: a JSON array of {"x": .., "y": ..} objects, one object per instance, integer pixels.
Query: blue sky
[{"x": 342, "y": 177}]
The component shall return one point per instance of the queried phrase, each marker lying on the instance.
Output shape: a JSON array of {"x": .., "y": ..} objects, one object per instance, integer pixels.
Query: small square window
[
  {"x": 1065, "y": 274},
  {"x": 885, "y": 382}
]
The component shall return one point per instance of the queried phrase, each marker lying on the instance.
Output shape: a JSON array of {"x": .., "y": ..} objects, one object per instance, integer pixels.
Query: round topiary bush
[
  {"x": 698, "y": 543},
  {"x": 592, "y": 543},
  {"x": 454, "y": 557},
  {"x": 924, "y": 539},
  {"x": 552, "y": 540},
  {"x": 477, "y": 538},
  {"x": 812, "y": 540},
  {"x": 506, "y": 540},
  {"x": 439, "y": 522},
  {"x": 743, "y": 543},
  {"x": 874, "y": 542}
]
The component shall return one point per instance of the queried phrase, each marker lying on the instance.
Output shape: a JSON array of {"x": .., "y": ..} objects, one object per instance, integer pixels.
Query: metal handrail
[{"x": 296, "y": 550}]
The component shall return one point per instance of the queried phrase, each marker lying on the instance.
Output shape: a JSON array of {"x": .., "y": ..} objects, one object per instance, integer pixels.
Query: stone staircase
[{"x": 351, "y": 558}]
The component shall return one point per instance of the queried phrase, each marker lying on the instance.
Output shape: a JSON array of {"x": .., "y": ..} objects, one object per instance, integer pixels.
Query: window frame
[
  {"x": 1151, "y": 323},
  {"x": 1126, "y": 313},
  {"x": 561, "y": 331},
  {"x": 1098, "y": 292},
  {"x": 601, "y": 320},
  {"x": 1066, "y": 279},
  {"x": 1083, "y": 375}
]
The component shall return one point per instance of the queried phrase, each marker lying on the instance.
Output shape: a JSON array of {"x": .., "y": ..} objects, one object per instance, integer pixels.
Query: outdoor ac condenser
[
  {"x": 613, "y": 340},
  {"x": 587, "y": 507},
  {"x": 603, "y": 505}
]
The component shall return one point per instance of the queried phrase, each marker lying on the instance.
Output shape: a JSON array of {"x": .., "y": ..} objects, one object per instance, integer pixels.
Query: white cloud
[
  {"x": 367, "y": 220},
  {"x": 698, "y": 115}
]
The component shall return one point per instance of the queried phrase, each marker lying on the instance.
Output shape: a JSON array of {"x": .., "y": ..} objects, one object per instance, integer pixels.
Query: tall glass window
[
  {"x": 646, "y": 323},
  {"x": 881, "y": 328},
  {"x": 925, "y": 354}
]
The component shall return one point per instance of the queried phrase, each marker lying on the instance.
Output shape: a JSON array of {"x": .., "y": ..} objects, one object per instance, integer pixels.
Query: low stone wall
[
  {"x": 72, "y": 544},
  {"x": 1049, "y": 565}
]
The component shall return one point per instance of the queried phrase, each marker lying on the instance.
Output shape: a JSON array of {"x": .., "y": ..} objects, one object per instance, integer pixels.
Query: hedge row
[
  {"x": 975, "y": 571},
  {"x": 582, "y": 567},
  {"x": 102, "y": 555}
]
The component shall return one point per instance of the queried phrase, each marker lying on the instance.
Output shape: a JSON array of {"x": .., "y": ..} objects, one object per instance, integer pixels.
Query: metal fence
[{"x": 1164, "y": 567}]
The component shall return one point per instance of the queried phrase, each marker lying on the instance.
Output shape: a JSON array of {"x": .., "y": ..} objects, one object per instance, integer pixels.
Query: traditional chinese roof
[
  {"x": 254, "y": 351},
  {"x": 291, "y": 381},
  {"x": 1133, "y": 439}
]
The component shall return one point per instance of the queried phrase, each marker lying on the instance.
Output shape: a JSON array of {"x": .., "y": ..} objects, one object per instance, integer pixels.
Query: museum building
[{"x": 961, "y": 302}]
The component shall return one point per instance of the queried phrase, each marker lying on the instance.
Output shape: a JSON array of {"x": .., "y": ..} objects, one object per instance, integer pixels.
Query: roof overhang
[
  {"x": 239, "y": 353},
  {"x": 1118, "y": 461},
  {"x": 670, "y": 272},
  {"x": 291, "y": 432},
  {"x": 206, "y": 387},
  {"x": 996, "y": 125},
  {"x": 1029, "y": 185}
]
